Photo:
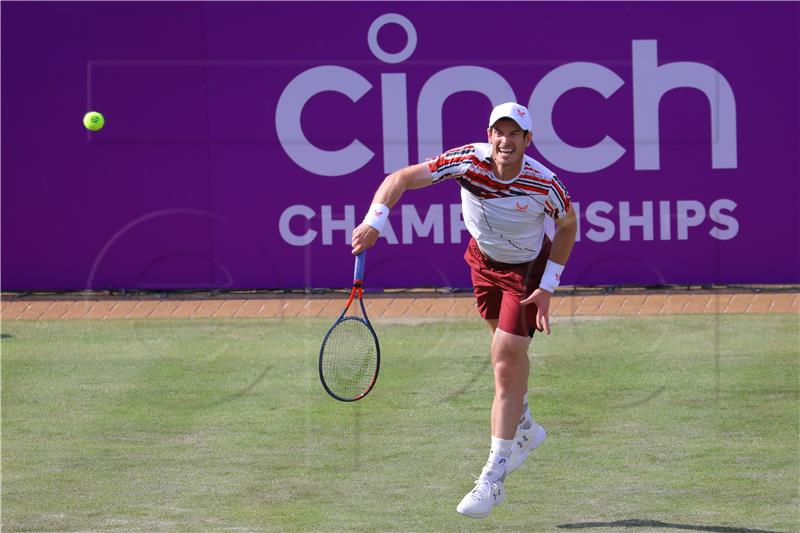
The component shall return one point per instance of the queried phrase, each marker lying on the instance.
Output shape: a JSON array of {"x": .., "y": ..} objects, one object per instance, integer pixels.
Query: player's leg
[
  {"x": 488, "y": 491},
  {"x": 511, "y": 367},
  {"x": 529, "y": 434}
]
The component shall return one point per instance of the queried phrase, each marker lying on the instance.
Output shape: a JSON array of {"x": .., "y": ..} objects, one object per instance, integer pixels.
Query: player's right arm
[{"x": 388, "y": 194}]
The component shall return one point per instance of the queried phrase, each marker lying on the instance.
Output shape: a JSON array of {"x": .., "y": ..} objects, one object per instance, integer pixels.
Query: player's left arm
[{"x": 563, "y": 241}]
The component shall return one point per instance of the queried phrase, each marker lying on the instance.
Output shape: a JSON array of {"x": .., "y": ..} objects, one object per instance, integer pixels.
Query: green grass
[{"x": 221, "y": 425}]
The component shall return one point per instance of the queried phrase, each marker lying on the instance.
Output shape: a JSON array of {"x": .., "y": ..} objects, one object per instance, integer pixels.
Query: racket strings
[{"x": 349, "y": 358}]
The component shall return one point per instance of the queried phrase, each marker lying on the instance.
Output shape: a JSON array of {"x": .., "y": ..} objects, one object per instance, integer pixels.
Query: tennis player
[{"x": 515, "y": 268}]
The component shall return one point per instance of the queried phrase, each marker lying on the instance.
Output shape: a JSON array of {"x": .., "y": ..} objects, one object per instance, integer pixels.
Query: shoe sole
[
  {"x": 473, "y": 515},
  {"x": 540, "y": 437}
]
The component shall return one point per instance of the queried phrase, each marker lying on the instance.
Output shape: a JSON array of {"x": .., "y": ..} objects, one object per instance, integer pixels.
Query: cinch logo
[
  {"x": 520, "y": 208},
  {"x": 650, "y": 82}
]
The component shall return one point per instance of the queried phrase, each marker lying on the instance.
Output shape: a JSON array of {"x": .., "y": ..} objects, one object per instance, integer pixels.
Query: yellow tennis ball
[{"x": 93, "y": 121}]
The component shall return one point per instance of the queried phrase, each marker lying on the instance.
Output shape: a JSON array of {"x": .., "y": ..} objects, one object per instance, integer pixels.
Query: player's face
[{"x": 508, "y": 142}]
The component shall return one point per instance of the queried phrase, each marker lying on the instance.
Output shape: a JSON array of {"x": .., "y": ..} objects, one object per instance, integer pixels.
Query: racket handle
[{"x": 358, "y": 272}]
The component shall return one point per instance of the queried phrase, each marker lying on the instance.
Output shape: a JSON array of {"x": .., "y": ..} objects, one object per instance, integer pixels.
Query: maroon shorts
[{"x": 499, "y": 287}]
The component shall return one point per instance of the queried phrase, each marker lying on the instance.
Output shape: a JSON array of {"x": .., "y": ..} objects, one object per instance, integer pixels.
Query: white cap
[{"x": 515, "y": 112}]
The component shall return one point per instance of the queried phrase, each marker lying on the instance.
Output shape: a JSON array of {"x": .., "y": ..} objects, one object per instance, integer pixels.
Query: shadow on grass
[
  {"x": 469, "y": 385},
  {"x": 641, "y": 401},
  {"x": 241, "y": 393},
  {"x": 657, "y": 524}
]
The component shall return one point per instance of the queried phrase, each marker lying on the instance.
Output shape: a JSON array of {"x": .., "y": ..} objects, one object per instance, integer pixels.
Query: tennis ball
[{"x": 93, "y": 121}]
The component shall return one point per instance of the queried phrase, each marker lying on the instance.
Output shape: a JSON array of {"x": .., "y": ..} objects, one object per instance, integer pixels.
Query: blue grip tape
[{"x": 361, "y": 260}]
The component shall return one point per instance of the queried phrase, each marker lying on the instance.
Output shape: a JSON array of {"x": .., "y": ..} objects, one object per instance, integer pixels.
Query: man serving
[{"x": 515, "y": 268}]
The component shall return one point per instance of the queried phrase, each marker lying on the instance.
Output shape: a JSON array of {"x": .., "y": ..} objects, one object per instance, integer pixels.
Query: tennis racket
[{"x": 350, "y": 357}]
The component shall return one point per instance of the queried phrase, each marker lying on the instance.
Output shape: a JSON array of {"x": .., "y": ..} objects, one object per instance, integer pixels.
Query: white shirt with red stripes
[{"x": 506, "y": 217}]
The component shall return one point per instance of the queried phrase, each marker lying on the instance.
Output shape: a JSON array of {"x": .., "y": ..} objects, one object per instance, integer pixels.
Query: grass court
[{"x": 656, "y": 423}]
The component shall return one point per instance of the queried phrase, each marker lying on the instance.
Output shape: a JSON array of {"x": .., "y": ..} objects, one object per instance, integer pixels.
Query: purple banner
[{"x": 244, "y": 141}]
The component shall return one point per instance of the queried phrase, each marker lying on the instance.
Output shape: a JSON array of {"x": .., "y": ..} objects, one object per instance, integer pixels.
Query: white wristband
[
  {"x": 551, "y": 277},
  {"x": 377, "y": 216}
]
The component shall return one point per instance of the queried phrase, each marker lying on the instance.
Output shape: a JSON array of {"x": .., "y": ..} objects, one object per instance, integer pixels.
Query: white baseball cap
[{"x": 515, "y": 112}]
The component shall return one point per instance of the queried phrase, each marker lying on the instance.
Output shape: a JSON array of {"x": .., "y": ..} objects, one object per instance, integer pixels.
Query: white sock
[
  {"x": 527, "y": 419},
  {"x": 499, "y": 453}
]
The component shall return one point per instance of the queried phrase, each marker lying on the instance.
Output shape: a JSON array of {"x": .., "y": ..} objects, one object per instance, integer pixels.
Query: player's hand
[
  {"x": 364, "y": 236},
  {"x": 541, "y": 298}
]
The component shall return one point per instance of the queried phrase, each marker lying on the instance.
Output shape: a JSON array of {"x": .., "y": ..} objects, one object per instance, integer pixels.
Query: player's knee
[{"x": 509, "y": 372}]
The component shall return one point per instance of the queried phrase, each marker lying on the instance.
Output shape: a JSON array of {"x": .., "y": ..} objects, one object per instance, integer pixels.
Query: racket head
[{"x": 349, "y": 359}]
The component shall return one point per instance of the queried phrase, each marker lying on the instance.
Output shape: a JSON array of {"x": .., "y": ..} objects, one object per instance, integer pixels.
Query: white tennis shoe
[
  {"x": 525, "y": 442},
  {"x": 480, "y": 501}
]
